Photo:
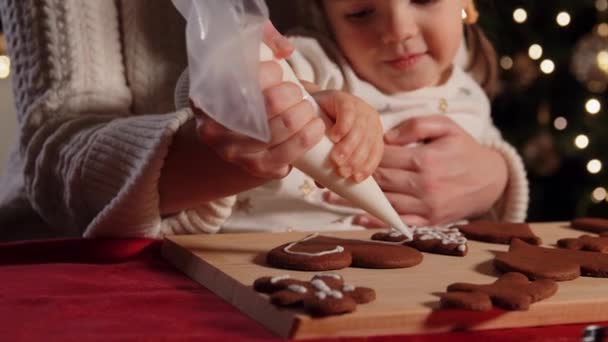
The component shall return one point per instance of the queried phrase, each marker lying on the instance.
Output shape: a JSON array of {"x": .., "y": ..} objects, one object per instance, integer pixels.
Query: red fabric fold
[{"x": 80, "y": 290}]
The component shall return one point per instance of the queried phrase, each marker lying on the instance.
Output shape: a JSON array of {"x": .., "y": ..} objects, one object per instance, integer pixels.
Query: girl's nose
[{"x": 400, "y": 25}]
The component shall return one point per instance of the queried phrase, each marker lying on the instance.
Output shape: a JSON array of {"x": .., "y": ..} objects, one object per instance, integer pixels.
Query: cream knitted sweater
[{"x": 93, "y": 84}]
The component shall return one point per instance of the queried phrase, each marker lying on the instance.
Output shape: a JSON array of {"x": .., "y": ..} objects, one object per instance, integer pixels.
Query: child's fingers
[
  {"x": 343, "y": 151},
  {"x": 341, "y": 107},
  {"x": 359, "y": 157},
  {"x": 372, "y": 162},
  {"x": 346, "y": 119},
  {"x": 291, "y": 121}
]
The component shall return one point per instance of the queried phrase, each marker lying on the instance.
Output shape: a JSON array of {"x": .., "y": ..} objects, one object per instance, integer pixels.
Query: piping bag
[{"x": 224, "y": 43}]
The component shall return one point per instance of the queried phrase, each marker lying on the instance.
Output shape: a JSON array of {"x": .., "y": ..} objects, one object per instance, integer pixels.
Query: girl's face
[{"x": 398, "y": 45}]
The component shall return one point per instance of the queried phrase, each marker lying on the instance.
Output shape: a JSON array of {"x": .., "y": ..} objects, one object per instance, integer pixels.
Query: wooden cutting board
[{"x": 227, "y": 264}]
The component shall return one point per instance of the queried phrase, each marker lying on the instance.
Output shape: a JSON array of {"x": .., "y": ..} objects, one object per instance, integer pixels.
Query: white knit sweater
[{"x": 93, "y": 84}]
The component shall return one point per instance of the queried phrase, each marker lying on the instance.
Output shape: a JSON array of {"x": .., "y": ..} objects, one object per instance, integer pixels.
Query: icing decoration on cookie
[
  {"x": 512, "y": 291},
  {"x": 297, "y": 288},
  {"x": 442, "y": 239},
  {"x": 498, "y": 232},
  {"x": 287, "y": 249},
  {"x": 551, "y": 263},
  {"x": 323, "y": 295},
  {"x": 279, "y": 277}
]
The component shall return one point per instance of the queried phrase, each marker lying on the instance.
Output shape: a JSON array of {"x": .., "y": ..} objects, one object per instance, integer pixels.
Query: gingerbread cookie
[
  {"x": 585, "y": 243},
  {"x": 322, "y": 253},
  {"x": 498, "y": 232},
  {"x": 445, "y": 240},
  {"x": 591, "y": 224},
  {"x": 551, "y": 263},
  {"x": 512, "y": 291},
  {"x": 325, "y": 294}
]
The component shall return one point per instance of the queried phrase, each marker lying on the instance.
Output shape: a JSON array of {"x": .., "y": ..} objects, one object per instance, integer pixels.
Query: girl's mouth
[{"x": 405, "y": 62}]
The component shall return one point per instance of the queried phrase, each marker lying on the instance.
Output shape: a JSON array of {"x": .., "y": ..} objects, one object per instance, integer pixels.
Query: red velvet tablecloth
[{"x": 77, "y": 290}]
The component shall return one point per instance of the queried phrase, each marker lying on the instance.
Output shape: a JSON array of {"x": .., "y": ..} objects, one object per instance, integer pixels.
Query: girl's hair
[{"x": 482, "y": 64}]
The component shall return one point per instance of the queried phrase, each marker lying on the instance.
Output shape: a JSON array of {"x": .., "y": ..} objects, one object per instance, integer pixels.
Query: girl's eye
[{"x": 360, "y": 14}]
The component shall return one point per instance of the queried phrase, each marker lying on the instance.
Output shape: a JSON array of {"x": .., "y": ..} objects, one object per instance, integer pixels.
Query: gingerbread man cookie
[
  {"x": 551, "y": 263},
  {"x": 591, "y": 224},
  {"x": 512, "y": 291},
  {"x": 323, "y": 253},
  {"x": 445, "y": 240},
  {"x": 325, "y": 294},
  {"x": 499, "y": 232},
  {"x": 585, "y": 243}
]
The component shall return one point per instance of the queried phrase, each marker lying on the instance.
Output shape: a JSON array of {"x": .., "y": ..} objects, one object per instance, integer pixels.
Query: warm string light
[
  {"x": 506, "y": 62},
  {"x": 594, "y": 166},
  {"x": 535, "y": 51},
  {"x": 593, "y": 106},
  {"x": 599, "y": 194},
  {"x": 563, "y": 19},
  {"x": 520, "y": 15},
  {"x": 581, "y": 141},
  {"x": 560, "y": 123}
]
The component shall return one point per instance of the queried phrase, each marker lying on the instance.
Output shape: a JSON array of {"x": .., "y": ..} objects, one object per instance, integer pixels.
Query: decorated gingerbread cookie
[
  {"x": 512, "y": 291},
  {"x": 445, "y": 240},
  {"x": 591, "y": 224},
  {"x": 325, "y": 294},
  {"x": 322, "y": 253},
  {"x": 499, "y": 232},
  {"x": 585, "y": 243},
  {"x": 551, "y": 263}
]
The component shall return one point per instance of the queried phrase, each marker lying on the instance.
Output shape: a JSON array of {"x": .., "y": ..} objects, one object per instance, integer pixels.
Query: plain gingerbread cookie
[
  {"x": 499, "y": 232},
  {"x": 585, "y": 243},
  {"x": 551, "y": 263},
  {"x": 512, "y": 291},
  {"x": 591, "y": 224}
]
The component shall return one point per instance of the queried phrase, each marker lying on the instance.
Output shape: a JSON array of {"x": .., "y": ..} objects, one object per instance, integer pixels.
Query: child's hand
[{"x": 357, "y": 133}]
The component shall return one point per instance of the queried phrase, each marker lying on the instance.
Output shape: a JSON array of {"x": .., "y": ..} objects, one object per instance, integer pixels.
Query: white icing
[
  {"x": 324, "y": 290},
  {"x": 297, "y": 288},
  {"x": 348, "y": 288},
  {"x": 447, "y": 233},
  {"x": 329, "y": 274},
  {"x": 337, "y": 249},
  {"x": 273, "y": 280}
]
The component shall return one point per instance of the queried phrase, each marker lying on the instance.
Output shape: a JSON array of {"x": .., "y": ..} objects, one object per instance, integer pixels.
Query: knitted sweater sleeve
[{"x": 91, "y": 166}]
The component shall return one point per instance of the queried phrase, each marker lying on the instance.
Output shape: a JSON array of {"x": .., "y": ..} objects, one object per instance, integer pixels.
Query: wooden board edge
[
  {"x": 443, "y": 321},
  {"x": 244, "y": 298}
]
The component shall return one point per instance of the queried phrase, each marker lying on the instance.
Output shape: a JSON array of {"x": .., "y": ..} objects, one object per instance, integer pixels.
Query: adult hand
[
  {"x": 434, "y": 172},
  {"x": 294, "y": 125}
]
